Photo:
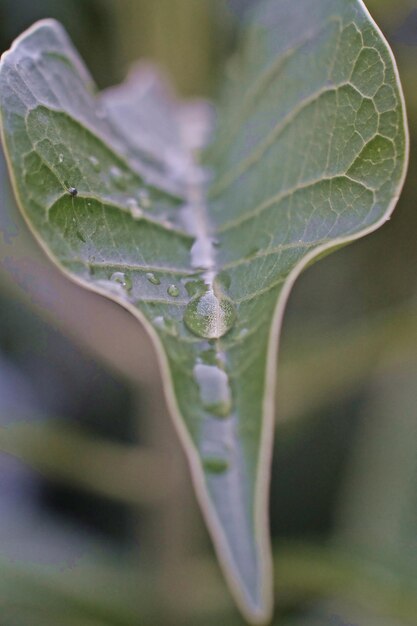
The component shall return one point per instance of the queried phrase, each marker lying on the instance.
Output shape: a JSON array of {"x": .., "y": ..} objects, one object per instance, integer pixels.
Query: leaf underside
[{"x": 309, "y": 152}]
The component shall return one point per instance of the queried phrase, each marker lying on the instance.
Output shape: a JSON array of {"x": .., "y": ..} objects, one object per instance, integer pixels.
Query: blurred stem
[
  {"x": 120, "y": 472},
  {"x": 178, "y": 34},
  {"x": 329, "y": 366},
  {"x": 306, "y": 573},
  {"x": 170, "y": 533}
]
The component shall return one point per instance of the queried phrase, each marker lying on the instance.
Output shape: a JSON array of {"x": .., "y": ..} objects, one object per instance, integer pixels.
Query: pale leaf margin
[{"x": 264, "y": 612}]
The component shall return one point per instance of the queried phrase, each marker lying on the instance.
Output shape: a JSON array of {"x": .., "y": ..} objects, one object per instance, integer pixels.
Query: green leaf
[{"x": 309, "y": 152}]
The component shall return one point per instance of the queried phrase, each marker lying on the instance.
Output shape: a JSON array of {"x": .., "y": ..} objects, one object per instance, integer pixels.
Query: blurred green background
[{"x": 98, "y": 522}]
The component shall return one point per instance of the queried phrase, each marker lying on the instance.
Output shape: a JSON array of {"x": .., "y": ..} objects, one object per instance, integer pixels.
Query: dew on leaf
[
  {"x": 154, "y": 280},
  {"x": 173, "y": 291},
  {"x": 61, "y": 158},
  {"x": 210, "y": 316},
  {"x": 122, "y": 279},
  {"x": 73, "y": 191},
  {"x": 215, "y": 392},
  {"x": 215, "y": 464}
]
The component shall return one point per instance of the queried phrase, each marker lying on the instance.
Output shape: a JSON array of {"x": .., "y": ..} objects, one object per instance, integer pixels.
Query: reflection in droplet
[
  {"x": 173, "y": 291},
  {"x": 210, "y": 316},
  {"x": 215, "y": 393},
  {"x": 122, "y": 279},
  {"x": 154, "y": 280},
  {"x": 95, "y": 163},
  {"x": 215, "y": 464}
]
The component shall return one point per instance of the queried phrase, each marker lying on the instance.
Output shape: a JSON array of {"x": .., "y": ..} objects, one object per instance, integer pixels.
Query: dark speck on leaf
[{"x": 73, "y": 191}]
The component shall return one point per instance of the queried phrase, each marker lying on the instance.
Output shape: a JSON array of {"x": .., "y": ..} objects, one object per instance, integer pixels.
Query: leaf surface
[{"x": 308, "y": 153}]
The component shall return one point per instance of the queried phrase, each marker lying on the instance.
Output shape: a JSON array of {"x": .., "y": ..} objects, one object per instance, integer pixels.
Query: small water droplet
[
  {"x": 61, "y": 158},
  {"x": 210, "y": 316},
  {"x": 117, "y": 177},
  {"x": 215, "y": 464},
  {"x": 173, "y": 291},
  {"x": 243, "y": 333},
  {"x": 215, "y": 393},
  {"x": 144, "y": 199},
  {"x": 159, "y": 321},
  {"x": 95, "y": 163},
  {"x": 122, "y": 279},
  {"x": 135, "y": 210},
  {"x": 153, "y": 279},
  {"x": 73, "y": 191}
]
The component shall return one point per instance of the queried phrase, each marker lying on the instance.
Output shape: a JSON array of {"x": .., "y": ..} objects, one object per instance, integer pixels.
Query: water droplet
[
  {"x": 95, "y": 163},
  {"x": 61, "y": 158},
  {"x": 153, "y": 279},
  {"x": 159, "y": 321},
  {"x": 215, "y": 464},
  {"x": 117, "y": 177},
  {"x": 173, "y": 291},
  {"x": 144, "y": 199},
  {"x": 121, "y": 279},
  {"x": 214, "y": 387},
  {"x": 210, "y": 316},
  {"x": 73, "y": 191},
  {"x": 135, "y": 210}
]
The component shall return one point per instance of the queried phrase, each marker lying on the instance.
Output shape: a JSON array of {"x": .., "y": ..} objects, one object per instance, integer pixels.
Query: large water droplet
[
  {"x": 154, "y": 280},
  {"x": 121, "y": 279},
  {"x": 95, "y": 163},
  {"x": 210, "y": 316},
  {"x": 215, "y": 464},
  {"x": 214, "y": 387},
  {"x": 173, "y": 291}
]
